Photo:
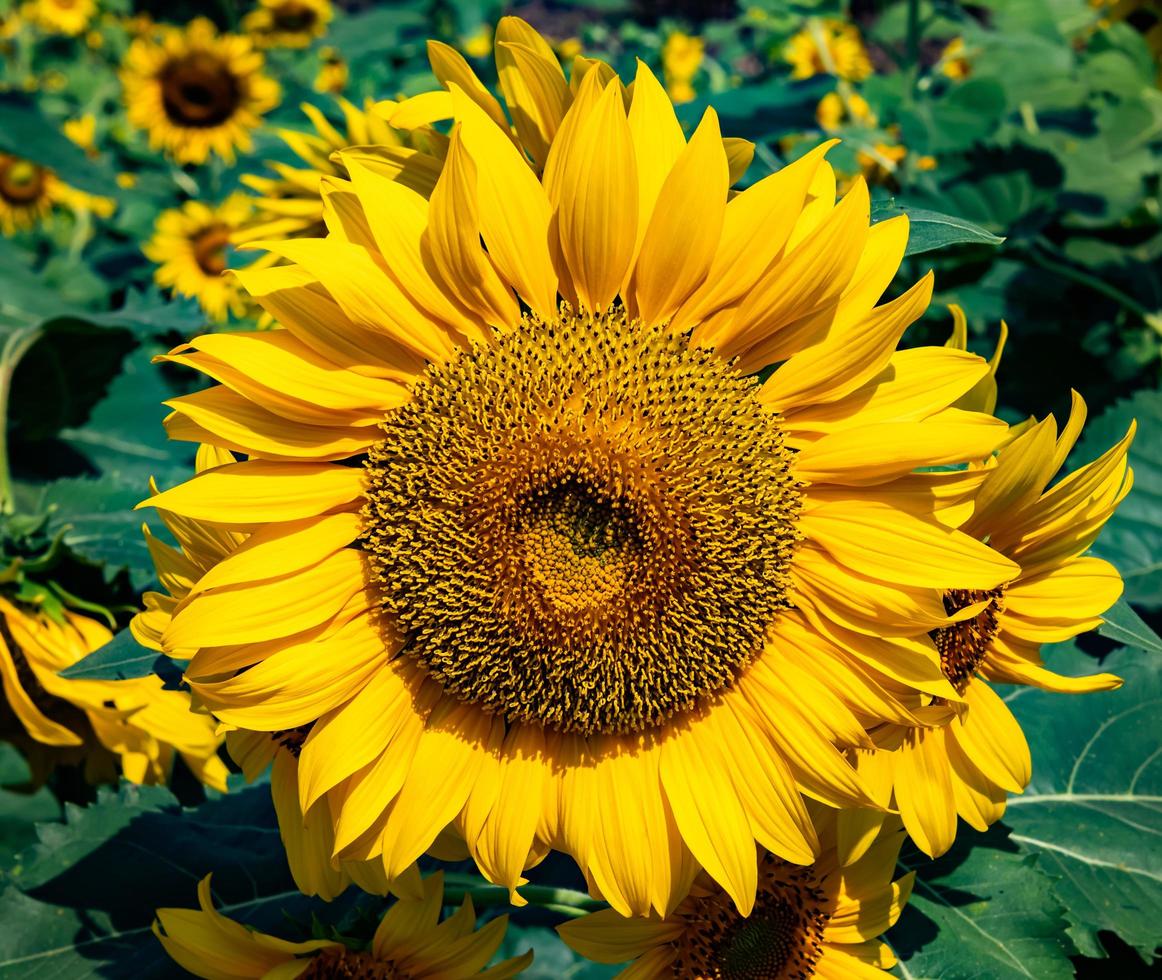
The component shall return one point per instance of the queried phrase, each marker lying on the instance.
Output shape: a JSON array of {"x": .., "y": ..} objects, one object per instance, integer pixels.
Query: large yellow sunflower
[
  {"x": 196, "y": 92},
  {"x": 69, "y": 17},
  {"x": 508, "y": 564},
  {"x": 290, "y": 204},
  {"x": 411, "y": 942},
  {"x": 288, "y": 23},
  {"x": 823, "y": 920},
  {"x": 189, "y": 245},
  {"x": 970, "y": 765},
  {"x": 57, "y": 721}
]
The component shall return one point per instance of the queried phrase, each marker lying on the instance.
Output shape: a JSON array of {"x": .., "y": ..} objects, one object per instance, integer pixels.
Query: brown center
[
  {"x": 21, "y": 181},
  {"x": 199, "y": 91},
  {"x": 780, "y": 940},
  {"x": 340, "y": 963},
  {"x": 294, "y": 17},
  {"x": 210, "y": 249},
  {"x": 292, "y": 739},
  {"x": 963, "y": 646}
]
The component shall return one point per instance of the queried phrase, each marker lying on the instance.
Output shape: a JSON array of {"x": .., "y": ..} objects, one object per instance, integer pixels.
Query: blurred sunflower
[
  {"x": 288, "y": 23},
  {"x": 333, "y": 72},
  {"x": 70, "y": 17},
  {"x": 587, "y": 546},
  {"x": 411, "y": 942},
  {"x": 681, "y": 58},
  {"x": 290, "y": 204},
  {"x": 828, "y": 46},
  {"x": 823, "y": 920},
  {"x": 196, "y": 92},
  {"x": 132, "y": 726},
  {"x": 953, "y": 62},
  {"x": 29, "y": 193},
  {"x": 835, "y": 109},
  {"x": 308, "y": 838},
  {"x": 189, "y": 245}
]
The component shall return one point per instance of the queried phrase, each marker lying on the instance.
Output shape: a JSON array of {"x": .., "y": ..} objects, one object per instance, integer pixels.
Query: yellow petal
[
  {"x": 657, "y": 141},
  {"x": 534, "y": 88},
  {"x": 685, "y": 226},
  {"x": 924, "y": 790}
]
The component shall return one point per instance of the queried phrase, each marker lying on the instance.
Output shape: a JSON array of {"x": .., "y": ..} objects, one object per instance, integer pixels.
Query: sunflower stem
[
  {"x": 16, "y": 345},
  {"x": 564, "y": 901}
]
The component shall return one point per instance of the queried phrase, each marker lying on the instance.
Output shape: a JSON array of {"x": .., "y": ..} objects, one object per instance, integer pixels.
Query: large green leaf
[
  {"x": 119, "y": 659},
  {"x": 1132, "y": 539},
  {"x": 1093, "y": 812},
  {"x": 929, "y": 230},
  {"x": 982, "y": 910},
  {"x": 80, "y": 901},
  {"x": 20, "y": 810},
  {"x": 26, "y": 132}
]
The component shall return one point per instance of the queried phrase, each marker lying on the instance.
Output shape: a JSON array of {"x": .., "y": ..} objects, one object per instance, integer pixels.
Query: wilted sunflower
[
  {"x": 288, "y": 23},
  {"x": 411, "y": 942},
  {"x": 196, "y": 92},
  {"x": 290, "y": 204},
  {"x": 823, "y": 920},
  {"x": 189, "y": 245},
  {"x": 828, "y": 46},
  {"x": 582, "y": 545},
  {"x": 58, "y": 721},
  {"x": 69, "y": 17}
]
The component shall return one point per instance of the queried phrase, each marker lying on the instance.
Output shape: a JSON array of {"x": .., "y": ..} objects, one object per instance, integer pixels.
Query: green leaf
[
  {"x": 552, "y": 959},
  {"x": 19, "y": 810},
  {"x": 119, "y": 659},
  {"x": 1125, "y": 626},
  {"x": 81, "y": 900},
  {"x": 1093, "y": 811},
  {"x": 26, "y": 132},
  {"x": 982, "y": 910},
  {"x": 970, "y": 112},
  {"x": 929, "y": 230},
  {"x": 377, "y": 31},
  {"x": 1132, "y": 540}
]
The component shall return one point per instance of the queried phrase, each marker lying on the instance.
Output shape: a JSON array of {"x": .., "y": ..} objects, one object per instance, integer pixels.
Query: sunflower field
[{"x": 581, "y": 488}]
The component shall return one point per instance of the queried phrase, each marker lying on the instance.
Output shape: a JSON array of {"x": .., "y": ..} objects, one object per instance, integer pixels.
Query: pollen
[
  {"x": 963, "y": 646},
  {"x": 781, "y": 939},
  {"x": 588, "y": 524}
]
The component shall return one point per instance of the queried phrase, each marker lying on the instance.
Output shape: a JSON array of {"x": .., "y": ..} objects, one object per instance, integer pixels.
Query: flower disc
[{"x": 588, "y": 524}]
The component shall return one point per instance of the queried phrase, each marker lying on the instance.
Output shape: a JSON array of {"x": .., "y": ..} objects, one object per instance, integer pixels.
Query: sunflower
[
  {"x": 189, "y": 245},
  {"x": 411, "y": 941},
  {"x": 57, "y": 721},
  {"x": 308, "y": 838},
  {"x": 69, "y": 17},
  {"x": 953, "y": 61},
  {"x": 196, "y": 92},
  {"x": 288, "y": 23},
  {"x": 831, "y": 47},
  {"x": 681, "y": 59},
  {"x": 290, "y": 204},
  {"x": 822, "y": 920},
  {"x": 969, "y": 766},
  {"x": 333, "y": 72},
  {"x": 581, "y": 552}
]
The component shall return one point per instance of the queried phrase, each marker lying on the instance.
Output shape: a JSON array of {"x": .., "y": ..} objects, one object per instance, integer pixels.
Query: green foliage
[{"x": 1096, "y": 798}]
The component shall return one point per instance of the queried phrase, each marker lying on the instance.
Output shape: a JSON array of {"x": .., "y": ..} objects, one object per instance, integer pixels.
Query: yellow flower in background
[
  {"x": 827, "y": 46},
  {"x": 288, "y": 23},
  {"x": 880, "y": 162},
  {"x": 411, "y": 942},
  {"x": 927, "y": 162},
  {"x": 189, "y": 245},
  {"x": 681, "y": 59},
  {"x": 196, "y": 92},
  {"x": 953, "y": 62},
  {"x": 568, "y": 48},
  {"x": 823, "y": 920},
  {"x": 29, "y": 193},
  {"x": 333, "y": 73},
  {"x": 290, "y": 204},
  {"x": 835, "y": 110},
  {"x": 478, "y": 44},
  {"x": 134, "y": 727},
  {"x": 83, "y": 132},
  {"x": 70, "y": 17},
  {"x": 498, "y": 556}
]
